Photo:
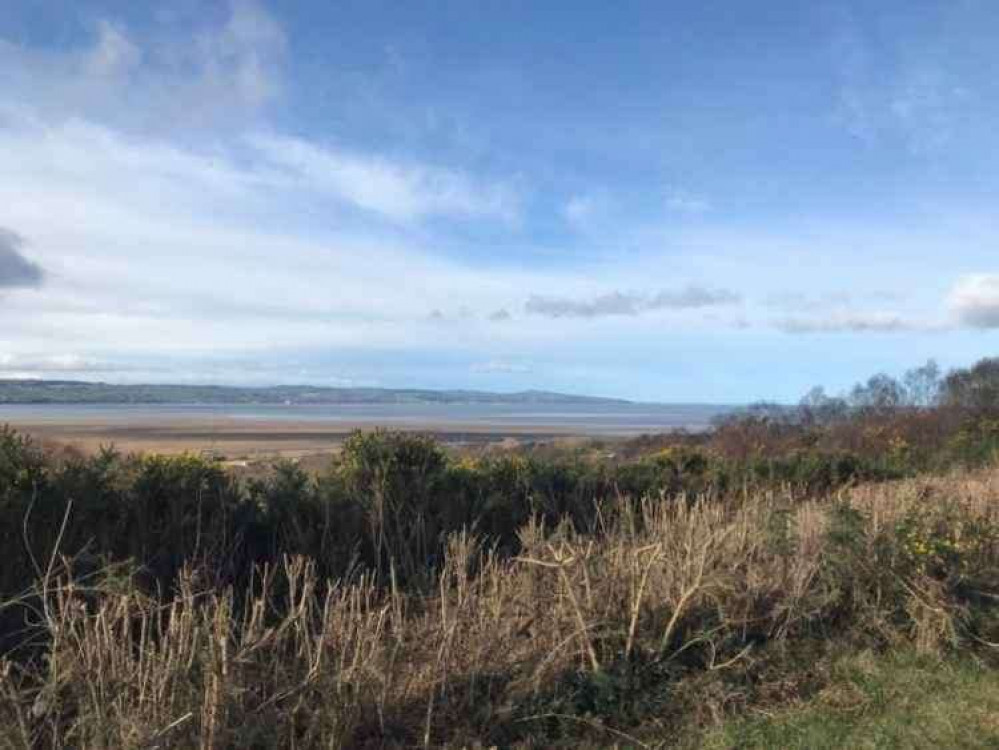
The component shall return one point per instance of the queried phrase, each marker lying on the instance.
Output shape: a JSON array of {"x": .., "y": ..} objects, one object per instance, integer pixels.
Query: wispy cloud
[
  {"x": 114, "y": 53},
  {"x": 22, "y": 365},
  {"x": 164, "y": 80},
  {"x": 246, "y": 52},
  {"x": 630, "y": 303},
  {"x": 162, "y": 245},
  {"x": 15, "y": 269},
  {"x": 615, "y": 303},
  {"x": 849, "y": 322},
  {"x": 500, "y": 367},
  {"x": 828, "y": 302},
  {"x": 840, "y": 311},
  {"x": 921, "y": 103},
  {"x": 500, "y": 315},
  {"x": 928, "y": 105},
  {"x": 974, "y": 300},
  {"x": 400, "y": 191},
  {"x": 692, "y": 297}
]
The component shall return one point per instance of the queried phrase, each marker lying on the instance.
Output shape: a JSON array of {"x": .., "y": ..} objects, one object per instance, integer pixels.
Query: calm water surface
[{"x": 583, "y": 418}]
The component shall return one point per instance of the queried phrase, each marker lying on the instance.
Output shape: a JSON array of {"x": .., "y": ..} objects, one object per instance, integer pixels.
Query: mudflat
[
  {"x": 249, "y": 439},
  {"x": 257, "y": 431}
]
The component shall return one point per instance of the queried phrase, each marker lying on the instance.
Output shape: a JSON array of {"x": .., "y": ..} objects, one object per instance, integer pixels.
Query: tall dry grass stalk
[{"x": 300, "y": 663}]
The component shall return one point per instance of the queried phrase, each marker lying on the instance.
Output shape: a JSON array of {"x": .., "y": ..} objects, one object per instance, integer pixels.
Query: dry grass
[{"x": 506, "y": 650}]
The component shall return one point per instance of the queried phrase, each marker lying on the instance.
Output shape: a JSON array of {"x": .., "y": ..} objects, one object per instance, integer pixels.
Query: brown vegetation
[{"x": 662, "y": 620}]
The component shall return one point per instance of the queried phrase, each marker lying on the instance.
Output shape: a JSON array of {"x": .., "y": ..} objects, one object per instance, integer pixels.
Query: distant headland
[{"x": 81, "y": 392}]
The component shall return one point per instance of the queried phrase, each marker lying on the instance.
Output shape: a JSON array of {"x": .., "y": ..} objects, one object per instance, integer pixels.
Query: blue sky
[{"x": 717, "y": 201}]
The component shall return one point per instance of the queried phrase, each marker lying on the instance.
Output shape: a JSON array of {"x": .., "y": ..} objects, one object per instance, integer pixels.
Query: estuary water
[{"x": 588, "y": 419}]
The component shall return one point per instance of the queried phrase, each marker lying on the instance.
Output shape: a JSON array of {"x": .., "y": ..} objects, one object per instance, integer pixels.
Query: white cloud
[
  {"x": 399, "y": 191},
  {"x": 153, "y": 249},
  {"x": 974, "y": 300}
]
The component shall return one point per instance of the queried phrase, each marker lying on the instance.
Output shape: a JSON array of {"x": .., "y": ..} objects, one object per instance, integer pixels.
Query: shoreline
[{"x": 258, "y": 439}]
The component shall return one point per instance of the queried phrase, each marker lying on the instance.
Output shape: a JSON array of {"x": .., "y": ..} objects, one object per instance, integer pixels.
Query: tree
[
  {"x": 923, "y": 385},
  {"x": 881, "y": 393},
  {"x": 818, "y": 408},
  {"x": 975, "y": 389}
]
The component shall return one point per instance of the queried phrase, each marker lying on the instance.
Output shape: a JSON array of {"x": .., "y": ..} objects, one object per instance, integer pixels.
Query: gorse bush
[
  {"x": 386, "y": 499},
  {"x": 162, "y": 512}
]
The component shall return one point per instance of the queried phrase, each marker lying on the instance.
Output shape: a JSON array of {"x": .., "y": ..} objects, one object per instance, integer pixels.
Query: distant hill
[{"x": 78, "y": 392}]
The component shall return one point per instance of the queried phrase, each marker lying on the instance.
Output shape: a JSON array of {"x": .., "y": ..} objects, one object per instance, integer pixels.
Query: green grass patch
[{"x": 899, "y": 701}]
